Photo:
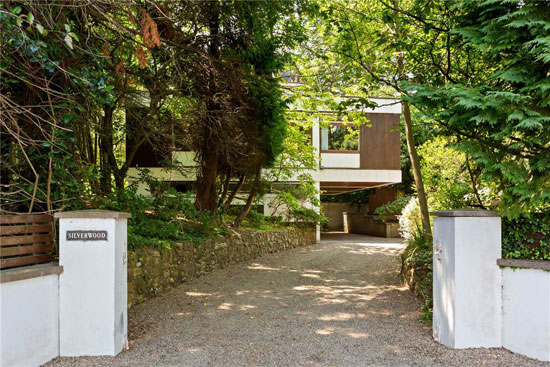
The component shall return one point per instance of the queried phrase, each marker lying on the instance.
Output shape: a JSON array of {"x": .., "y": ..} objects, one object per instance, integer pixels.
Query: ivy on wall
[{"x": 526, "y": 237}]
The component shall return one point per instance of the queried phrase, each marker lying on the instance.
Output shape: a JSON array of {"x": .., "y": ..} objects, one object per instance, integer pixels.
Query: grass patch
[{"x": 254, "y": 221}]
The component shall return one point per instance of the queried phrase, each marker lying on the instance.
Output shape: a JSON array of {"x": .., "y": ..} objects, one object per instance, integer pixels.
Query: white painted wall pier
[
  {"x": 467, "y": 304},
  {"x": 93, "y": 317}
]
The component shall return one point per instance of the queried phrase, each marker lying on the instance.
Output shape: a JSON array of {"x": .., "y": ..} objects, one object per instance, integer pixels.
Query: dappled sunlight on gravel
[{"x": 340, "y": 303}]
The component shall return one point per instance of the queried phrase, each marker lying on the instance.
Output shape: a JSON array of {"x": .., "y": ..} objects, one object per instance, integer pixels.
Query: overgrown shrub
[
  {"x": 416, "y": 261},
  {"x": 293, "y": 209},
  {"x": 445, "y": 175},
  {"x": 162, "y": 219},
  {"x": 255, "y": 220},
  {"x": 167, "y": 216},
  {"x": 392, "y": 208},
  {"x": 417, "y": 270},
  {"x": 410, "y": 220}
]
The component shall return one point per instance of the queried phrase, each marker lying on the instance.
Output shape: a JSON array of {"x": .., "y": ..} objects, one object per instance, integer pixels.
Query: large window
[{"x": 340, "y": 137}]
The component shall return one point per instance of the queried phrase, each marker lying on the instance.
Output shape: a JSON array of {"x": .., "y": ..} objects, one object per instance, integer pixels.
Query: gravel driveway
[{"x": 339, "y": 303}]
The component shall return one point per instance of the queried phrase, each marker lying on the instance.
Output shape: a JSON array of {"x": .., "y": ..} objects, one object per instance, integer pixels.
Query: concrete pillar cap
[
  {"x": 465, "y": 213},
  {"x": 92, "y": 213}
]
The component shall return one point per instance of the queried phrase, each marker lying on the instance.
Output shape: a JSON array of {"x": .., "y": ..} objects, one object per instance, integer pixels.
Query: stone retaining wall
[{"x": 152, "y": 270}]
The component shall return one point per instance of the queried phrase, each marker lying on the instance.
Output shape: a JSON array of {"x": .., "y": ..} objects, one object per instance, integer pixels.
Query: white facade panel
[
  {"x": 184, "y": 158},
  {"x": 340, "y": 160},
  {"x": 358, "y": 175},
  {"x": 334, "y": 174},
  {"x": 164, "y": 174},
  {"x": 385, "y": 105}
]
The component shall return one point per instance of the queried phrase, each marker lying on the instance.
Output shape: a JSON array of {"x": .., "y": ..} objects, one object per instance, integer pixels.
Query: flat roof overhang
[
  {"x": 335, "y": 188},
  {"x": 338, "y": 181},
  {"x": 332, "y": 180}
]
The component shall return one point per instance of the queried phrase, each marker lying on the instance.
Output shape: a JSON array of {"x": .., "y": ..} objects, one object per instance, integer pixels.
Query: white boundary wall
[
  {"x": 481, "y": 300},
  {"x": 81, "y": 312},
  {"x": 340, "y": 160},
  {"x": 526, "y": 310},
  {"x": 29, "y": 321}
]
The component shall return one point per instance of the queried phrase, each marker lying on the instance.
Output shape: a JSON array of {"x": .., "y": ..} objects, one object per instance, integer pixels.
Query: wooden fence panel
[
  {"x": 26, "y": 229},
  {"x": 25, "y": 218},
  {"x": 25, "y": 239}
]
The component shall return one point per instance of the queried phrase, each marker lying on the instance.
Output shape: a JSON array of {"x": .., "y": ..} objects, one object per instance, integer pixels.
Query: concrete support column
[
  {"x": 316, "y": 142},
  {"x": 316, "y": 137},
  {"x": 318, "y": 209},
  {"x": 93, "y": 287},
  {"x": 466, "y": 282},
  {"x": 345, "y": 219}
]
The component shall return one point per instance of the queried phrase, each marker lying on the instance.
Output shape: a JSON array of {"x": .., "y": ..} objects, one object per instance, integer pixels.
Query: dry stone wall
[{"x": 153, "y": 270}]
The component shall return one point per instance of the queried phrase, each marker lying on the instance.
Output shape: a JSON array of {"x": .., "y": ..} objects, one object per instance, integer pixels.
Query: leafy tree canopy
[{"x": 500, "y": 115}]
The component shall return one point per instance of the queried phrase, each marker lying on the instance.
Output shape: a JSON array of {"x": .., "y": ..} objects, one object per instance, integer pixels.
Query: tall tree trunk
[
  {"x": 207, "y": 196},
  {"x": 106, "y": 148},
  {"x": 120, "y": 175},
  {"x": 413, "y": 155},
  {"x": 250, "y": 200},
  {"x": 234, "y": 193},
  {"x": 474, "y": 185},
  {"x": 415, "y": 163},
  {"x": 111, "y": 166},
  {"x": 224, "y": 188}
]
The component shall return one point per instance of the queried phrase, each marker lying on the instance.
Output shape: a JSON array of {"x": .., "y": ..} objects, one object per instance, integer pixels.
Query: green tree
[
  {"x": 501, "y": 114},
  {"x": 41, "y": 64},
  {"x": 450, "y": 182},
  {"x": 240, "y": 124},
  {"x": 374, "y": 47},
  {"x": 82, "y": 68},
  {"x": 87, "y": 86}
]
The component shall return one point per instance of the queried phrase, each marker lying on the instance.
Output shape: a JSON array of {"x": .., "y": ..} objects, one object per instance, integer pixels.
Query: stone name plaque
[{"x": 86, "y": 235}]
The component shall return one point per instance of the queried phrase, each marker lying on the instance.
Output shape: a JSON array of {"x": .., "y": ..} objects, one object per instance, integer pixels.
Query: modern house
[
  {"x": 351, "y": 158},
  {"x": 373, "y": 161}
]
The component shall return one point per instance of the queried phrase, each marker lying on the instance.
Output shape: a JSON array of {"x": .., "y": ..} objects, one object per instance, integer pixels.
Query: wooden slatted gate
[{"x": 25, "y": 239}]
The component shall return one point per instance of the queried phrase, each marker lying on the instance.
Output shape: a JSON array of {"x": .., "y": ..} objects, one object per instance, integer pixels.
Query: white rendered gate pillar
[
  {"x": 466, "y": 282},
  {"x": 92, "y": 289}
]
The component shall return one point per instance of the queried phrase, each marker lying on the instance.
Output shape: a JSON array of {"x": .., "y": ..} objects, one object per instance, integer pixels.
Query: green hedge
[{"x": 526, "y": 237}]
